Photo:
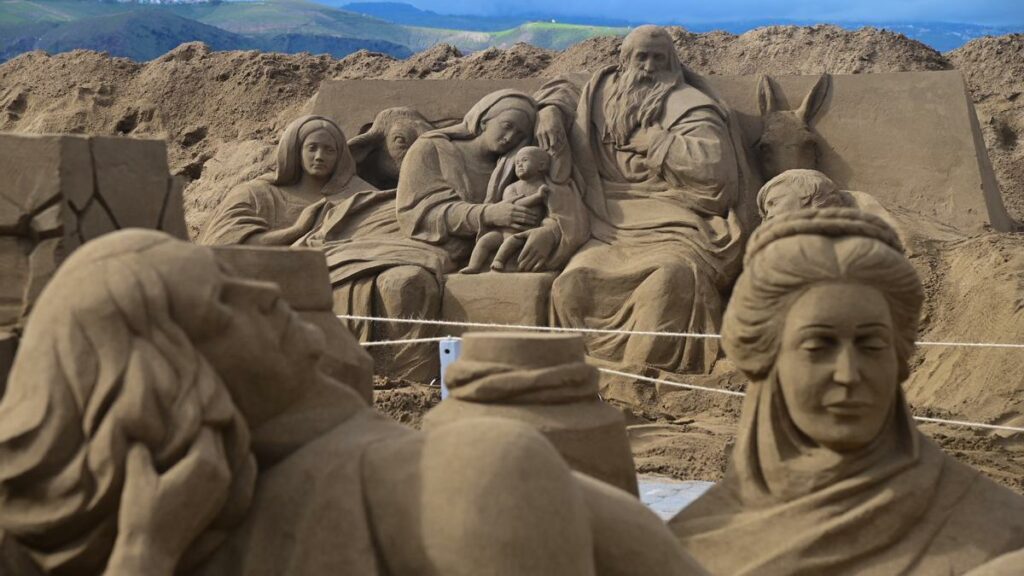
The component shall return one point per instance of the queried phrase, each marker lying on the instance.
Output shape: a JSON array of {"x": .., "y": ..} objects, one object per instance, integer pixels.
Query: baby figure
[{"x": 531, "y": 164}]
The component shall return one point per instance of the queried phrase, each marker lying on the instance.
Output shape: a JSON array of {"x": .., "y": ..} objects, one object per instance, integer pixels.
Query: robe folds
[
  {"x": 438, "y": 204},
  {"x": 667, "y": 238},
  {"x": 899, "y": 505}
]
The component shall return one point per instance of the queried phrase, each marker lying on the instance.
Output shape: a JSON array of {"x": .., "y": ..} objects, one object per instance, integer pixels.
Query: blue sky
[{"x": 992, "y": 12}]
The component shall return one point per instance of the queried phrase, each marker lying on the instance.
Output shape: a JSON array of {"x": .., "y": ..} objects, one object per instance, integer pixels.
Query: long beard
[{"x": 636, "y": 98}]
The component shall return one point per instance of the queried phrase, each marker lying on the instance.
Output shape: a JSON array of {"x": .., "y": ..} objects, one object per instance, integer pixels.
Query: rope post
[{"x": 449, "y": 349}]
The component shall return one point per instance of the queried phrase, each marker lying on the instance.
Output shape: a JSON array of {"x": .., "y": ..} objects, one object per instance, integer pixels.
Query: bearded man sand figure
[{"x": 665, "y": 178}]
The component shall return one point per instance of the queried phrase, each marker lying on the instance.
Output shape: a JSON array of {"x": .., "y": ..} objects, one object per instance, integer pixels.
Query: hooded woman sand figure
[
  {"x": 276, "y": 209},
  {"x": 452, "y": 180},
  {"x": 829, "y": 474},
  {"x": 315, "y": 199}
]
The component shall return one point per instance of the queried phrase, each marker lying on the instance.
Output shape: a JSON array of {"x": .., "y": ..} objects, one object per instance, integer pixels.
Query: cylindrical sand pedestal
[{"x": 541, "y": 380}]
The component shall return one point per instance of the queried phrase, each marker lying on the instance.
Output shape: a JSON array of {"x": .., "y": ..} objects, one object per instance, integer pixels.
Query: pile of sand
[{"x": 221, "y": 112}]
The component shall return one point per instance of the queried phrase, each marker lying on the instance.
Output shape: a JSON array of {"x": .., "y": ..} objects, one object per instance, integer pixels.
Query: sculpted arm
[
  {"x": 429, "y": 208},
  {"x": 695, "y": 151}
]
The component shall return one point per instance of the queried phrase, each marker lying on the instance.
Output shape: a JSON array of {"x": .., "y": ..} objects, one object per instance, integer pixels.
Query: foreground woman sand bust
[{"x": 830, "y": 474}]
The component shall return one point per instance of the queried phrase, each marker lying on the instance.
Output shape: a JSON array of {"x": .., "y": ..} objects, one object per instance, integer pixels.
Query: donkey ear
[
  {"x": 815, "y": 98},
  {"x": 361, "y": 146},
  {"x": 765, "y": 96}
]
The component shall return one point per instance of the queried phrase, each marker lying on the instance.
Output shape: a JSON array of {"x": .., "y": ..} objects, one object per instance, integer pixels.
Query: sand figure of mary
[{"x": 452, "y": 180}]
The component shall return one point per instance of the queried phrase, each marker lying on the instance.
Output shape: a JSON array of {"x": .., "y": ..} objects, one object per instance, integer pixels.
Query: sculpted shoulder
[{"x": 684, "y": 100}]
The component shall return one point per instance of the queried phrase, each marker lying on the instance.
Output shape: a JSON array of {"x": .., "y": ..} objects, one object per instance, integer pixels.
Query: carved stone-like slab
[{"x": 498, "y": 298}]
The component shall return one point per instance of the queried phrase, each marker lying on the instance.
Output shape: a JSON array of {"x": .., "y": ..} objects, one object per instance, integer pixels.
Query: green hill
[
  {"x": 141, "y": 34},
  {"x": 144, "y": 32}
]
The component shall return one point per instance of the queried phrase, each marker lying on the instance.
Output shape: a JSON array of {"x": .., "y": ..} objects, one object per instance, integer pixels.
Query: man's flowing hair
[{"x": 637, "y": 98}]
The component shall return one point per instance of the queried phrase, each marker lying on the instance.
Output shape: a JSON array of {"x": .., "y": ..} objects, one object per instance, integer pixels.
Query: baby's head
[
  {"x": 797, "y": 190},
  {"x": 531, "y": 162}
]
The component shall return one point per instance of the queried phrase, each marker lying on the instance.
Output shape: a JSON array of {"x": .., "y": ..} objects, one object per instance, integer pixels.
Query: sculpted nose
[{"x": 847, "y": 370}]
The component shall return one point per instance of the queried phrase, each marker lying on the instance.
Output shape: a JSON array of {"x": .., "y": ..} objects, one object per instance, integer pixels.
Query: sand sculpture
[
  {"x": 302, "y": 278},
  {"x": 542, "y": 380},
  {"x": 60, "y": 192},
  {"x": 165, "y": 415},
  {"x": 494, "y": 247},
  {"x": 800, "y": 189},
  {"x": 829, "y": 473},
  {"x": 374, "y": 269},
  {"x": 787, "y": 141},
  {"x": 665, "y": 180},
  {"x": 380, "y": 150},
  {"x": 453, "y": 179}
]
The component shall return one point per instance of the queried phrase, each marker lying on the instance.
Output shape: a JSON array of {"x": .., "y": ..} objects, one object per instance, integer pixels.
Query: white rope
[
  {"x": 669, "y": 383},
  {"x": 400, "y": 342},
  {"x": 705, "y": 388},
  {"x": 623, "y": 332},
  {"x": 734, "y": 393},
  {"x": 969, "y": 424}
]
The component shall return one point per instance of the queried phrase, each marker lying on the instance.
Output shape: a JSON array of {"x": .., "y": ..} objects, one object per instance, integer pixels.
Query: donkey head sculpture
[
  {"x": 380, "y": 147},
  {"x": 787, "y": 141}
]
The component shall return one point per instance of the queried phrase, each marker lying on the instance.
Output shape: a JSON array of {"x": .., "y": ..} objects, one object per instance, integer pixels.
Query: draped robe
[
  {"x": 899, "y": 505},
  {"x": 667, "y": 239}
]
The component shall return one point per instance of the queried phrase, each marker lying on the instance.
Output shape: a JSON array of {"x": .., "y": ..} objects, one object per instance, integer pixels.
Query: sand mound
[{"x": 519, "y": 61}]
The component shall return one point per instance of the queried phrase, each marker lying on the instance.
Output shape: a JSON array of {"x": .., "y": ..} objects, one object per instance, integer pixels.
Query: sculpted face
[
  {"x": 783, "y": 201},
  {"x": 319, "y": 154},
  {"x": 649, "y": 58},
  {"x": 786, "y": 144},
  {"x": 399, "y": 138},
  {"x": 837, "y": 364},
  {"x": 502, "y": 133},
  {"x": 530, "y": 163},
  {"x": 263, "y": 350}
]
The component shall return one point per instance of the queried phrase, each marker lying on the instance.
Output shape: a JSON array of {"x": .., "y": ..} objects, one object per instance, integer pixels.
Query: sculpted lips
[{"x": 848, "y": 407}]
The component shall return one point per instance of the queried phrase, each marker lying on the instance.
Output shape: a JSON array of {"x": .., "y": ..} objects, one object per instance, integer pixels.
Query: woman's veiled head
[
  {"x": 110, "y": 357},
  {"x": 828, "y": 306},
  {"x": 314, "y": 146}
]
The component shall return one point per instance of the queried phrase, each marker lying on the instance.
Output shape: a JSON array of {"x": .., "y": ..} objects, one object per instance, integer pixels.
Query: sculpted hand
[
  {"x": 643, "y": 138},
  {"x": 162, "y": 514},
  {"x": 540, "y": 243},
  {"x": 307, "y": 218},
  {"x": 504, "y": 214},
  {"x": 550, "y": 131}
]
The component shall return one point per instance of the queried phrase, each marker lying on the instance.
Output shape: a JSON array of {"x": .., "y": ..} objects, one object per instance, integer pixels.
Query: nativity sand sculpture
[
  {"x": 830, "y": 474},
  {"x": 165, "y": 415},
  {"x": 452, "y": 181},
  {"x": 315, "y": 199},
  {"x": 668, "y": 187}
]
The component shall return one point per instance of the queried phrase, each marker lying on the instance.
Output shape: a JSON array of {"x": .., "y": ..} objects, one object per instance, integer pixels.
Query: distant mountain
[
  {"x": 409, "y": 15},
  {"x": 144, "y": 33},
  {"x": 942, "y": 36}
]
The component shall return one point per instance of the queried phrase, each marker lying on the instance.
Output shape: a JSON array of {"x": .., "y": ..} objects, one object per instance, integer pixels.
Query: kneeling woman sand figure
[{"x": 830, "y": 475}]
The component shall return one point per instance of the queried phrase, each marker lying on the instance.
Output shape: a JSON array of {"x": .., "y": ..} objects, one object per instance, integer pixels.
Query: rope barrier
[
  {"x": 523, "y": 327},
  {"x": 707, "y": 388},
  {"x": 399, "y": 342},
  {"x": 623, "y": 332}
]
